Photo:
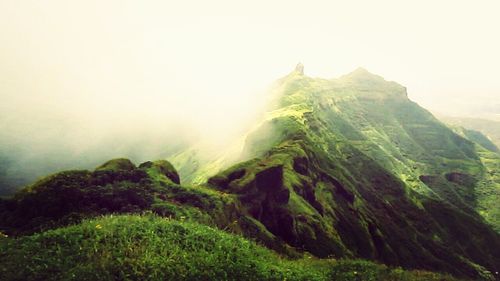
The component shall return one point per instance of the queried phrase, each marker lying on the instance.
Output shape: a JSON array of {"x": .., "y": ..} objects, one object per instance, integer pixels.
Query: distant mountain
[
  {"x": 342, "y": 168},
  {"x": 490, "y": 128}
]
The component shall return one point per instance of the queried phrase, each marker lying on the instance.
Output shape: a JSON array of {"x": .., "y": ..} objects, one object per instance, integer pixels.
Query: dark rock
[
  {"x": 282, "y": 196},
  {"x": 460, "y": 178},
  {"x": 270, "y": 178},
  {"x": 236, "y": 175},
  {"x": 300, "y": 165},
  {"x": 299, "y": 68}
]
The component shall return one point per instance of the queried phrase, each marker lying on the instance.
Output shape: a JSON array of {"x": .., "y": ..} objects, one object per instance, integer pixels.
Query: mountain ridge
[{"x": 372, "y": 122}]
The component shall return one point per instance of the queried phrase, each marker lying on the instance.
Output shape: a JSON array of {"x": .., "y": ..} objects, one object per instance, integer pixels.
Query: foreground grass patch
[{"x": 132, "y": 247}]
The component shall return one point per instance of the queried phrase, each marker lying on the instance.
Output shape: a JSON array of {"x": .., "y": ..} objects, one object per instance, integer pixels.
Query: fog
[{"x": 84, "y": 81}]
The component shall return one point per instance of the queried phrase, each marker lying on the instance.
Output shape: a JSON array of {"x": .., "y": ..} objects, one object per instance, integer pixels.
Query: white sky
[{"x": 163, "y": 62}]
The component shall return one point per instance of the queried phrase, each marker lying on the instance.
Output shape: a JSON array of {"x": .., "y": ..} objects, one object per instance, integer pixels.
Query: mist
[{"x": 82, "y": 82}]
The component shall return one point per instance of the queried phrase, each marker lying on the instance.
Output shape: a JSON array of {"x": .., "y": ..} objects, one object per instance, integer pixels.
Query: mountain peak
[
  {"x": 299, "y": 68},
  {"x": 361, "y": 74},
  {"x": 360, "y": 71}
]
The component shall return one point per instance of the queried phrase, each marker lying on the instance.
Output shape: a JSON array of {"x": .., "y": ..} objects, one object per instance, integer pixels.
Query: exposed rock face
[
  {"x": 460, "y": 178},
  {"x": 299, "y": 68},
  {"x": 265, "y": 188}
]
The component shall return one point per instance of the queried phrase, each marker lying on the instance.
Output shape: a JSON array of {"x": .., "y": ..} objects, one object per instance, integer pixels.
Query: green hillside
[
  {"x": 117, "y": 186},
  {"x": 351, "y": 166},
  {"x": 153, "y": 248}
]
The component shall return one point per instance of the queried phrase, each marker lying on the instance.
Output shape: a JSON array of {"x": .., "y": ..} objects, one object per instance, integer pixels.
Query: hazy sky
[{"x": 118, "y": 64}]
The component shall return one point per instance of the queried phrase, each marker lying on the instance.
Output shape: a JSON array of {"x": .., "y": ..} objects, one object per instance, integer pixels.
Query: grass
[{"x": 147, "y": 247}]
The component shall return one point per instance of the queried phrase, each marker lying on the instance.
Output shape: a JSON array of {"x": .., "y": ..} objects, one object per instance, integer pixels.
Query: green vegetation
[
  {"x": 153, "y": 248},
  {"x": 488, "y": 189},
  {"x": 339, "y": 169},
  {"x": 120, "y": 164},
  {"x": 485, "y": 190},
  {"x": 115, "y": 187}
]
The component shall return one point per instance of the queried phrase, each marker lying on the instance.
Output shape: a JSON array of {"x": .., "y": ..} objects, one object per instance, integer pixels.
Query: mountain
[
  {"x": 490, "y": 128},
  {"x": 338, "y": 168},
  {"x": 357, "y": 165},
  {"x": 351, "y": 167}
]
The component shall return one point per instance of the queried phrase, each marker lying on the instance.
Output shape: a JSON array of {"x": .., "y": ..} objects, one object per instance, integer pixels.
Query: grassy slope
[
  {"x": 375, "y": 116},
  {"x": 197, "y": 163},
  {"x": 488, "y": 189},
  {"x": 153, "y": 248}
]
